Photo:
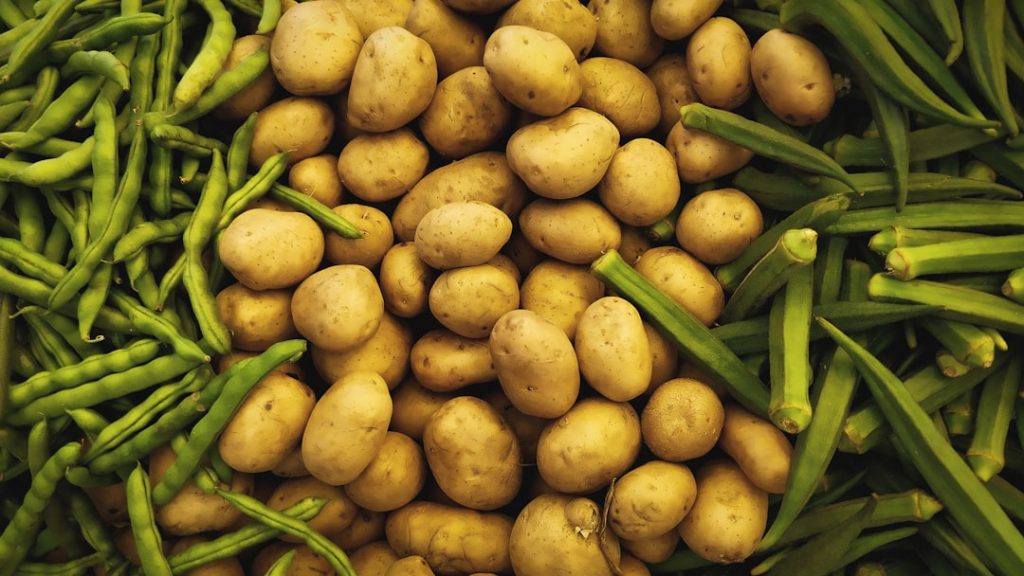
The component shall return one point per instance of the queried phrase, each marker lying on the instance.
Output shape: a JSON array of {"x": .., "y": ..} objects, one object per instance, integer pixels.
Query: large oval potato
[
  {"x": 622, "y": 93},
  {"x": 565, "y": 156},
  {"x": 729, "y": 516},
  {"x": 624, "y": 31},
  {"x": 394, "y": 78},
  {"x": 651, "y": 499},
  {"x": 381, "y": 167},
  {"x": 443, "y": 361},
  {"x": 535, "y": 70},
  {"x": 682, "y": 420},
  {"x": 576, "y": 231},
  {"x": 461, "y": 234},
  {"x": 760, "y": 449},
  {"x": 526, "y": 428},
  {"x": 393, "y": 478},
  {"x": 701, "y": 156},
  {"x": 457, "y": 41},
  {"x": 299, "y": 125},
  {"x": 469, "y": 300},
  {"x": 716, "y": 226},
  {"x": 314, "y": 49},
  {"x": 559, "y": 293},
  {"x": 677, "y": 19},
  {"x": 718, "y": 58},
  {"x": 529, "y": 351},
  {"x": 266, "y": 249},
  {"x": 611, "y": 345},
  {"x": 386, "y": 353},
  {"x": 570, "y": 21},
  {"x": 339, "y": 307},
  {"x": 561, "y": 534},
  {"x": 259, "y": 92},
  {"x": 405, "y": 281},
  {"x": 684, "y": 279},
  {"x": 256, "y": 318},
  {"x": 453, "y": 540},
  {"x": 466, "y": 115},
  {"x": 347, "y": 427},
  {"x": 641, "y": 185},
  {"x": 306, "y": 562},
  {"x": 369, "y": 249},
  {"x": 792, "y": 77},
  {"x": 336, "y": 516}
]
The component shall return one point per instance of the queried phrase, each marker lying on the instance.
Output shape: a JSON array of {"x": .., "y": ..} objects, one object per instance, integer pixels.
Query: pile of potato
[{"x": 476, "y": 402}]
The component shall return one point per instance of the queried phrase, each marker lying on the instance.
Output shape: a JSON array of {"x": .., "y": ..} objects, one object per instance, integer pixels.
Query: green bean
[
  {"x": 957, "y": 214},
  {"x": 943, "y": 537},
  {"x": 147, "y": 322},
  {"x": 210, "y": 60},
  {"x": 206, "y": 430},
  {"x": 961, "y": 304},
  {"x": 992, "y": 423},
  {"x": 828, "y": 270},
  {"x": 108, "y": 32},
  {"x": 794, "y": 249},
  {"x": 253, "y": 188},
  {"x": 30, "y": 219},
  {"x": 58, "y": 240},
  {"x": 282, "y": 565},
  {"x": 43, "y": 93},
  {"x": 10, "y": 14},
  {"x": 967, "y": 343},
  {"x": 148, "y": 232},
  {"x": 60, "y": 114},
  {"x": 10, "y": 112},
  {"x": 1013, "y": 287},
  {"x": 69, "y": 568},
  {"x": 37, "y": 350},
  {"x": 238, "y": 153},
  {"x": 38, "y": 446},
  {"x": 140, "y": 274},
  {"x": 142, "y": 72},
  {"x": 26, "y": 53},
  {"x": 789, "y": 333},
  {"x": 30, "y": 262},
  {"x": 226, "y": 85},
  {"x": 692, "y": 337},
  {"x": 45, "y": 172},
  {"x": 897, "y": 236},
  {"x": 1014, "y": 48},
  {"x": 823, "y": 553},
  {"x": 90, "y": 524},
  {"x": 22, "y": 363},
  {"x": 7, "y": 341},
  {"x": 91, "y": 299},
  {"x": 13, "y": 95},
  {"x": 166, "y": 64},
  {"x": 90, "y": 422},
  {"x": 983, "y": 40},
  {"x": 185, "y": 140},
  {"x": 99, "y": 62},
  {"x": 143, "y": 523},
  {"x": 170, "y": 281},
  {"x": 52, "y": 341}
]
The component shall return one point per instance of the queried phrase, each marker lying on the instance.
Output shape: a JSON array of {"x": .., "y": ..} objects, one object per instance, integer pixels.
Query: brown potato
[
  {"x": 372, "y": 15},
  {"x": 291, "y": 466},
  {"x": 631, "y": 566},
  {"x": 393, "y": 478},
  {"x": 760, "y": 449},
  {"x": 612, "y": 348},
  {"x": 684, "y": 279},
  {"x": 664, "y": 357},
  {"x": 701, "y": 156},
  {"x": 443, "y": 361},
  {"x": 299, "y": 125},
  {"x": 365, "y": 528},
  {"x": 339, "y": 307},
  {"x": 377, "y": 237},
  {"x": 457, "y": 41},
  {"x": 651, "y": 499},
  {"x": 718, "y": 58},
  {"x": 672, "y": 81},
  {"x": 259, "y": 92},
  {"x": 622, "y": 93},
  {"x": 466, "y": 115},
  {"x": 317, "y": 177},
  {"x": 314, "y": 48},
  {"x": 576, "y": 231},
  {"x": 716, "y": 226},
  {"x": 792, "y": 77},
  {"x": 677, "y": 19},
  {"x": 305, "y": 563},
  {"x": 641, "y": 185},
  {"x": 192, "y": 511},
  {"x": 405, "y": 281},
  {"x": 559, "y": 293},
  {"x": 653, "y": 550},
  {"x": 469, "y": 300},
  {"x": 729, "y": 516},
  {"x": 410, "y": 566},
  {"x": 526, "y": 428},
  {"x": 373, "y": 559},
  {"x": 682, "y": 420},
  {"x": 264, "y": 249},
  {"x": 222, "y": 567},
  {"x": 413, "y": 407},
  {"x": 635, "y": 242},
  {"x": 337, "y": 515},
  {"x": 452, "y": 539},
  {"x": 381, "y": 167},
  {"x": 461, "y": 234},
  {"x": 386, "y": 353},
  {"x": 560, "y": 534},
  {"x": 535, "y": 70},
  {"x": 624, "y": 31},
  {"x": 570, "y": 21},
  {"x": 256, "y": 319},
  {"x": 478, "y": 6},
  {"x": 394, "y": 78}
]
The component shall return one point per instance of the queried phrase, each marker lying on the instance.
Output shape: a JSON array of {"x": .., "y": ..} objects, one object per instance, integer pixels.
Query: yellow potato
[
  {"x": 682, "y": 420},
  {"x": 674, "y": 86},
  {"x": 664, "y": 357},
  {"x": 729, "y": 516},
  {"x": 256, "y": 319},
  {"x": 314, "y": 49},
  {"x": 318, "y": 177},
  {"x": 264, "y": 249},
  {"x": 478, "y": 6},
  {"x": 443, "y": 361},
  {"x": 792, "y": 77},
  {"x": 677, "y": 19},
  {"x": 259, "y": 92},
  {"x": 394, "y": 78},
  {"x": 716, "y": 226},
  {"x": 372, "y": 15},
  {"x": 393, "y": 478},
  {"x": 367, "y": 527},
  {"x": 299, "y": 125},
  {"x": 527, "y": 351},
  {"x": 339, "y": 307},
  {"x": 701, "y": 156},
  {"x": 635, "y": 242},
  {"x": 469, "y": 300},
  {"x": 570, "y": 21},
  {"x": 235, "y": 356},
  {"x": 560, "y": 534},
  {"x": 111, "y": 502},
  {"x": 718, "y": 57},
  {"x": 576, "y": 231},
  {"x": 381, "y": 167},
  {"x": 624, "y": 31},
  {"x": 564, "y": 156},
  {"x": 337, "y": 515},
  {"x": 347, "y": 428},
  {"x": 291, "y": 466},
  {"x": 653, "y": 550},
  {"x": 534, "y": 70},
  {"x": 760, "y": 449},
  {"x": 413, "y": 407},
  {"x": 622, "y": 93},
  {"x": 410, "y": 566},
  {"x": 461, "y": 234},
  {"x": 466, "y": 115},
  {"x": 457, "y": 41},
  {"x": 560, "y": 292},
  {"x": 526, "y": 428},
  {"x": 386, "y": 353},
  {"x": 373, "y": 559},
  {"x": 684, "y": 279},
  {"x": 631, "y": 566},
  {"x": 519, "y": 251},
  {"x": 641, "y": 185},
  {"x": 377, "y": 237},
  {"x": 452, "y": 539},
  {"x": 192, "y": 511},
  {"x": 405, "y": 281},
  {"x": 612, "y": 348},
  {"x": 651, "y": 499}
]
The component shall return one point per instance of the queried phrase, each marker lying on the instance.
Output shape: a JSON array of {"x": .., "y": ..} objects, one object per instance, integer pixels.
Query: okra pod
[
  {"x": 794, "y": 249},
  {"x": 789, "y": 336},
  {"x": 967, "y": 343},
  {"x": 959, "y": 303},
  {"x": 985, "y": 254},
  {"x": 983, "y": 31},
  {"x": 992, "y": 424},
  {"x": 1013, "y": 287},
  {"x": 949, "y": 365},
  {"x": 958, "y": 414},
  {"x": 897, "y": 236}
]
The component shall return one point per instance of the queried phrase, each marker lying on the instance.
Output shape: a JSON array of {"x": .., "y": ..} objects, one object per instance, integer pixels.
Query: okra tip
[
  {"x": 801, "y": 244},
  {"x": 898, "y": 265}
]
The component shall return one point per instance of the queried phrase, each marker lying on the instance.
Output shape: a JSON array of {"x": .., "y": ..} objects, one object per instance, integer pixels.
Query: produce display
[{"x": 511, "y": 287}]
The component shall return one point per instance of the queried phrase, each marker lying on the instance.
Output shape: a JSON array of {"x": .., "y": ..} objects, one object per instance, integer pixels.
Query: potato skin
[
  {"x": 559, "y": 293},
  {"x": 443, "y": 361},
  {"x": 373, "y": 559},
  {"x": 677, "y": 19},
  {"x": 222, "y": 567},
  {"x": 314, "y": 48},
  {"x": 651, "y": 499},
  {"x": 377, "y": 237},
  {"x": 622, "y": 93},
  {"x": 792, "y": 77},
  {"x": 386, "y": 353},
  {"x": 461, "y": 234},
  {"x": 394, "y": 78},
  {"x": 336, "y": 516},
  {"x": 559, "y": 534},
  {"x": 347, "y": 427},
  {"x": 702, "y": 156},
  {"x": 466, "y": 115},
  {"x": 405, "y": 281},
  {"x": 381, "y": 167},
  {"x": 257, "y": 94},
  {"x": 612, "y": 348},
  {"x": 570, "y": 21},
  {"x": 718, "y": 57},
  {"x": 410, "y": 566},
  {"x": 457, "y": 41},
  {"x": 672, "y": 81},
  {"x": 469, "y": 300},
  {"x": 372, "y": 15},
  {"x": 576, "y": 231},
  {"x": 339, "y": 307},
  {"x": 729, "y": 516},
  {"x": 682, "y": 420},
  {"x": 716, "y": 226},
  {"x": 534, "y": 70},
  {"x": 653, "y": 550},
  {"x": 760, "y": 449},
  {"x": 413, "y": 407},
  {"x": 452, "y": 539},
  {"x": 624, "y": 31},
  {"x": 393, "y": 478},
  {"x": 365, "y": 528},
  {"x": 265, "y": 249},
  {"x": 300, "y": 125},
  {"x": 684, "y": 279},
  {"x": 641, "y": 185},
  {"x": 192, "y": 511},
  {"x": 256, "y": 318},
  {"x": 317, "y": 176}
]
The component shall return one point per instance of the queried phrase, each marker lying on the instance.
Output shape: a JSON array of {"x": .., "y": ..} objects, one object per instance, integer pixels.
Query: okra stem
[{"x": 952, "y": 214}]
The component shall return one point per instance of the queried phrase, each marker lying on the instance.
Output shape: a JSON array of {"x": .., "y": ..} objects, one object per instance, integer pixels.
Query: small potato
[
  {"x": 612, "y": 348},
  {"x": 576, "y": 231},
  {"x": 641, "y": 185},
  {"x": 365, "y": 528},
  {"x": 729, "y": 516},
  {"x": 536, "y": 364},
  {"x": 373, "y": 559},
  {"x": 405, "y": 281},
  {"x": 381, "y": 167},
  {"x": 717, "y": 226},
  {"x": 222, "y": 567},
  {"x": 339, "y": 512},
  {"x": 410, "y": 566},
  {"x": 565, "y": 156},
  {"x": 394, "y": 78},
  {"x": 386, "y": 353},
  {"x": 256, "y": 319},
  {"x": 468, "y": 301},
  {"x": 299, "y": 125},
  {"x": 718, "y": 58},
  {"x": 526, "y": 428},
  {"x": 653, "y": 550},
  {"x": 535, "y": 70},
  {"x": 595, "y": 441},
  {"x": 473, "y": 454},
  {"x": 393, "y": 478},
  {"x": 792, "y": 77},
  {"x": 265, "y": 249},
  {"x": 674, "y": 86},
  {"x": 267, "y": 425},
  {"x": 259, "y": 92},
  {"x": 466, "y": 115},
  {"x": 701, "y": 156},
  {"x": 314, "y": 48},
  {"x": 651, "y": 499},
  {"x": 291, "y": 466},
  {"x": 305, "y": 563},
  {"x": 372, "y": 15},
  {"x": 347, "y": 428},
  {"x": 624, "y": 31},
  {"x": 413, "y": 407},
  {"x": 664, "y": 357},
  {"x": 377, "y": 237},
  {"x": 192, "y": 511},
  {"x": 677, "y": 19},
  {"x": 684, "y": 279},
  {"x": 560, "y": 292},
  {"x": 634, "y": 243},
  {"x": 339, "y": 307},
  {"x": 682, "y": 420},
  {"x": 111, "y": 503},
  {"x": 570, "y": 21},
  {"x": 478, "y": 6},
  {"x": 760, "y": 449},
  {"x": 519, "y": 251},
  {"x": 457, "y": 41},
  {"x": 452, "y": 539},
  {"x": 317, "y": 177},
  {"x": 622, "y": 93},
  {"x": 443, "y": 361},
  {"x": 560, "y": 534},
  {"x": 461, "y": 234}
]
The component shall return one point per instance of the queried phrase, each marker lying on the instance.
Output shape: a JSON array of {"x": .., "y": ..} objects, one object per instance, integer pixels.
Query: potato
[
  {"x": 264, "y": 249},
  {"x": 410, "y": 566},
  {"x": 570, "y": 21},
  {"x": 565, "y": 156},
  {"x": 317, "y": 177},
  {"x": 377, "y": 237},
  {"x": 314, "y": 48},
  {"x": 641, "y": 185},
  {"x": 339, "y": 307},
  {"x": 381, "y": 167},
  {"x": 478, "y": 6},
  {"x": 466, "y": 115},
  {"x": 760, "y": 449},
  {"x": 393, "y": 81},
  {"x": 393, "y": 478},
  {"x": 635, "y": 242},
  {"x": 519, "y": 251},
  {"x": 256, "y": 319},
  {"x": 111, "y": 502},
  {"x": 718, "y": 58},
  {"x": 622, "y": 93},
  {"x": 267, "y": 425},
  {"x": 528, "y": 350},
  {"x": 595, "y": 441},
  {"x": 290, "y": 368},
  {"x": 301, "y": 126},
  {"x": 664, "y": 357},
  {"x": 672, "y": 81},
  {"x": 347, "y": 428},
  {"x": 222, "y": 567},
  {"x": 534, "y": 70},
  {"x": 729, "y": 516},
  {"x": 484, "y": 176},
  {"x": 653, "y": 550},
  {"x": 508, "y": 265},
  {"x": 677, "y": 19},
  {"x": 612, "y": 348},
  {"x": 291, "y": 466},
  {"x": 259, "y": 92},
  {"x": 305, "y": 563},
  {"x": 526, "y": 428},
  {"x": 716, "y": 226},
  {"x": 443, "y": 361},
  {"x": 473, "y": 454},
  {"x": 405, "y": 281},
  {"x": 684, "y": 279},
  {"x": 576, "y": 231},
  {"x": 651, "y": 499},
  {"x": 560, "y": 534},
  {"x": 386, "y": 353},
  {"x": 682, "y": 420},
  {"x": 373, "y": 559},
  {"x": 461, "y": 234},
  {"x": 701, "y": 156},
  {"x": 372, "y": 15},
  {"x": 560, "y": 292},
  {"x": 457, "y": 41},
  {"x": 413, "y": 407},
  {"x": 469, "y": 300},
  {"x": 367, "y": 527},
  {"x": 337, "y": 515},
  {"x": 624, "y": 31},
  {"x": 792, "y": 77},
  {"x": 192, "y": 511},
  {"x": 453, "y": 540}
]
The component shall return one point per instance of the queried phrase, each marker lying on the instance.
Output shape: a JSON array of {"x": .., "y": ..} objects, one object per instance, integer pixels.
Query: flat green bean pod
[
  {"x": 25, "y": 54},
  {"x": 45, "y": 172},
  {"x": 315, "y": 210},
  {"x": 108, "y": 32},
  {"x": 182, "y": 139},
  {"x": 143, "y": 524},
  {"x": 227, "y": 84},
  {"x": 210, "y": 60}
]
